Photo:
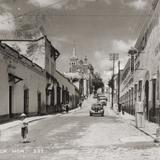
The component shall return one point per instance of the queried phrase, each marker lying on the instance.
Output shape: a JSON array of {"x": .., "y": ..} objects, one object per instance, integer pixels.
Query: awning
[{"x": 14, "y": 78}]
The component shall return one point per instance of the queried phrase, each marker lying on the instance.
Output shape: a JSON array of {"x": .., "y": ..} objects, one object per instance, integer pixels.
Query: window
[
  {"x": 135, "y": 92},
  {"x": 140, "y": 91}
]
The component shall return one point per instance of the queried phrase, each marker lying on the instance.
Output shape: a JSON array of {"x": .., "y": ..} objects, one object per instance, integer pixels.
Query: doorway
[
  {"x": 153, "y": 98},
  {"x": 147, "y": 99},
  {"x": 10, "y": 101},
  {"x": 39, "y": 102},
  {"x": 26, "y": 101}
]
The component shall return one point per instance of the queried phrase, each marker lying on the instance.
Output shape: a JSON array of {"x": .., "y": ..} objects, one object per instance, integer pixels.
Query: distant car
[
  {"x": 103, "y": 102},
  {"x": 96, "y": 109},
  {"x": 102, "y": 97}
]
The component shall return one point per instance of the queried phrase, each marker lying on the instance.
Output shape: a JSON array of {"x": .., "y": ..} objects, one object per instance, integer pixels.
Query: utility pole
[
  {"x": 118, "y": 86},
  {"x": 113, "y": 57}
]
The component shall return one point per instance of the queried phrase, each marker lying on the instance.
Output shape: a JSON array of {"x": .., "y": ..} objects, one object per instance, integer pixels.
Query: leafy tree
[
  {"x": 97, "y": 82},
  {"x": 111, "y": 83}
]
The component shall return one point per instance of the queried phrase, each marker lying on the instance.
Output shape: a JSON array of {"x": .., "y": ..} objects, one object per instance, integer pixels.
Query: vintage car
[
  {"x": 103, "y": 102},
  {"x": 96, "y": 110},
  {"x": 102, "y": 97}
]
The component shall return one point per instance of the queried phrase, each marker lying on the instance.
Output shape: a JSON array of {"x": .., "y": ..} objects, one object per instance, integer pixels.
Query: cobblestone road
[{"x": 77, "y": 136}]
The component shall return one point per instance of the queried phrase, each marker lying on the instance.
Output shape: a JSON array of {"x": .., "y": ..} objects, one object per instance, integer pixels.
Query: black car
[
  {"x": 102, "y": 97},
  {"x": 96, "y": 109}
]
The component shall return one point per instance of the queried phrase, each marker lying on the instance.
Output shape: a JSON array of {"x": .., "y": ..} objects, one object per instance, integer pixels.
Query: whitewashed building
[
  {"x": 147, "y": 65},
  {"x": 141, "y": 87},
  {"x": 22, "y": 84},
  {"x": 29, "y": 80}
]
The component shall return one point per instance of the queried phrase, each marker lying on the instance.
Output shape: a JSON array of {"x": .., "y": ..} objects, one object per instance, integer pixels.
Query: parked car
[
  {"x": 96, "y": 109},
  {"x": 103, "y": 102},
  {"x": 102, "y": 97}
]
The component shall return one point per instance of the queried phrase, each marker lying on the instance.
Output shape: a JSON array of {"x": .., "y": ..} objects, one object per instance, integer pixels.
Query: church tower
[{"x": 73, "y": 61}]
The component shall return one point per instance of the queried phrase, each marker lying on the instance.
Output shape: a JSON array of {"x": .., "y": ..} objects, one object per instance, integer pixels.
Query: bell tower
[{"x": 73, "y": 61}]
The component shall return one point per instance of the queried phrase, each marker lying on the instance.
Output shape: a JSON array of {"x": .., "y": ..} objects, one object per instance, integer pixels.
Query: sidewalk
[
  {"x": 149, "y": 129},
  {"x": 15, "y": 123}
]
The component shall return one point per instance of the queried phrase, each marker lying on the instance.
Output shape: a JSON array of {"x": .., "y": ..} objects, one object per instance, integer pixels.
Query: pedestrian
[
  {"x": 80, "y": 103},
  {"x": 24, "y": 127},
  {"x": 67, "y": 108},
  {"x": 119, "y": 107},
  {"x": 122, "y": 108}
]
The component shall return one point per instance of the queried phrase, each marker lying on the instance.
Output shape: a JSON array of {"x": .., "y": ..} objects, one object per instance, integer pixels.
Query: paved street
[{"x": 77, "y": 136}]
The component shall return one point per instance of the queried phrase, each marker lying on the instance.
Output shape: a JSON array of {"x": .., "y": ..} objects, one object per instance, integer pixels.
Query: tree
[
  {"x": 111, "y": 83},
  {"x": 97, "y": 82}
]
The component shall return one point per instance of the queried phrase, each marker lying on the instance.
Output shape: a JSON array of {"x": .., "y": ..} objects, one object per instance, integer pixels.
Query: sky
[{"x": 95, "y": 27}]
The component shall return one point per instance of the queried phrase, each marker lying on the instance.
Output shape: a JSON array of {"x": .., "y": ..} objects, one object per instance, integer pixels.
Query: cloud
[
  {"x": 121, "y": 46},
  {"x": 107, "y": 1},
  {"x": 137, "y": 4},
  {"x": 57, "y": 4},
  {"x": 5, "y": 7},
  {"x": 104, "y": 65},
  {"x": 67, "y": 4},
  {"x": 106, "y": 75},
  {"x": 7, "y": 22}
]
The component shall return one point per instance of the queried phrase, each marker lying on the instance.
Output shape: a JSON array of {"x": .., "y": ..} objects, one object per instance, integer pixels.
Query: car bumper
[{"x": 96, "y": 113}]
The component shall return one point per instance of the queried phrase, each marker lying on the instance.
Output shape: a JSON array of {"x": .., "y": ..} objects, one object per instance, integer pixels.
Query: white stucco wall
[
  {"x": 152, "y": 51},
  {"x": 34, "y": 81},
  {"x": 4, "y": 88},
  {"x": 64, "y": 82}
]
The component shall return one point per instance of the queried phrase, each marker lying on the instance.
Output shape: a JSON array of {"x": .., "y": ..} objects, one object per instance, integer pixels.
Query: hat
[{"x": 23, "y": 115}]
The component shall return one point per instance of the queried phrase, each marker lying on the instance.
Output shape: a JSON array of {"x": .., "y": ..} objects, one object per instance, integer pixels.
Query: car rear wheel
[{"x": 90, "y": 114}]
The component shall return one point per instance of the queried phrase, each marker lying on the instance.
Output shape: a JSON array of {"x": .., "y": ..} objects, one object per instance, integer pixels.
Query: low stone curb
[{"x": 33, "y": 119}]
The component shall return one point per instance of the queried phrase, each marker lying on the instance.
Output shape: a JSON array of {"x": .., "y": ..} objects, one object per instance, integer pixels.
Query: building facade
[
  {"x": 68, "y": 92},
  {"x": 127, "y": 88},
  {"x": 30, "y": 82},
  {"x": 140, "y": 88},
  {"x": 22, "y": 84},
  {"x": 81, "y": 74},
  {"x": 147, "y": 65}
]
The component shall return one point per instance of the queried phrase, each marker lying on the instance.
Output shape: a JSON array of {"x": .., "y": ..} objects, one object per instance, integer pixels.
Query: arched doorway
[
  {"x": 147, "y": 98},
  {"x": 52, "y": 97},
  {"x": 58, "y": 94}
]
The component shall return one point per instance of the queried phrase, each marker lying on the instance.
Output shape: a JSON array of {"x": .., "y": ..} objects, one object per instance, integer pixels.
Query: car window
[{"x": 96, "y": 106}]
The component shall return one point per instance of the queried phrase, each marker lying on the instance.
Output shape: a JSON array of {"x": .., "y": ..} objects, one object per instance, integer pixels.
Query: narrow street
[{"x": 77, "y": 136}]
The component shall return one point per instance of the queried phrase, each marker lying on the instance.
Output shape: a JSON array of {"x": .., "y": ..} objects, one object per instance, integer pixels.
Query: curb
[
  {"x": 143, "y": 131},
  {"x": 36, "y": 119}
]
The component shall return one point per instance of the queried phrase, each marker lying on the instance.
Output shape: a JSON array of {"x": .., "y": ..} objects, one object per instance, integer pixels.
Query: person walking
[
  {"x": 80, "y": 103},
  {"x": 67, "y": 108},
  {"x": 123, "y": 108}
]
